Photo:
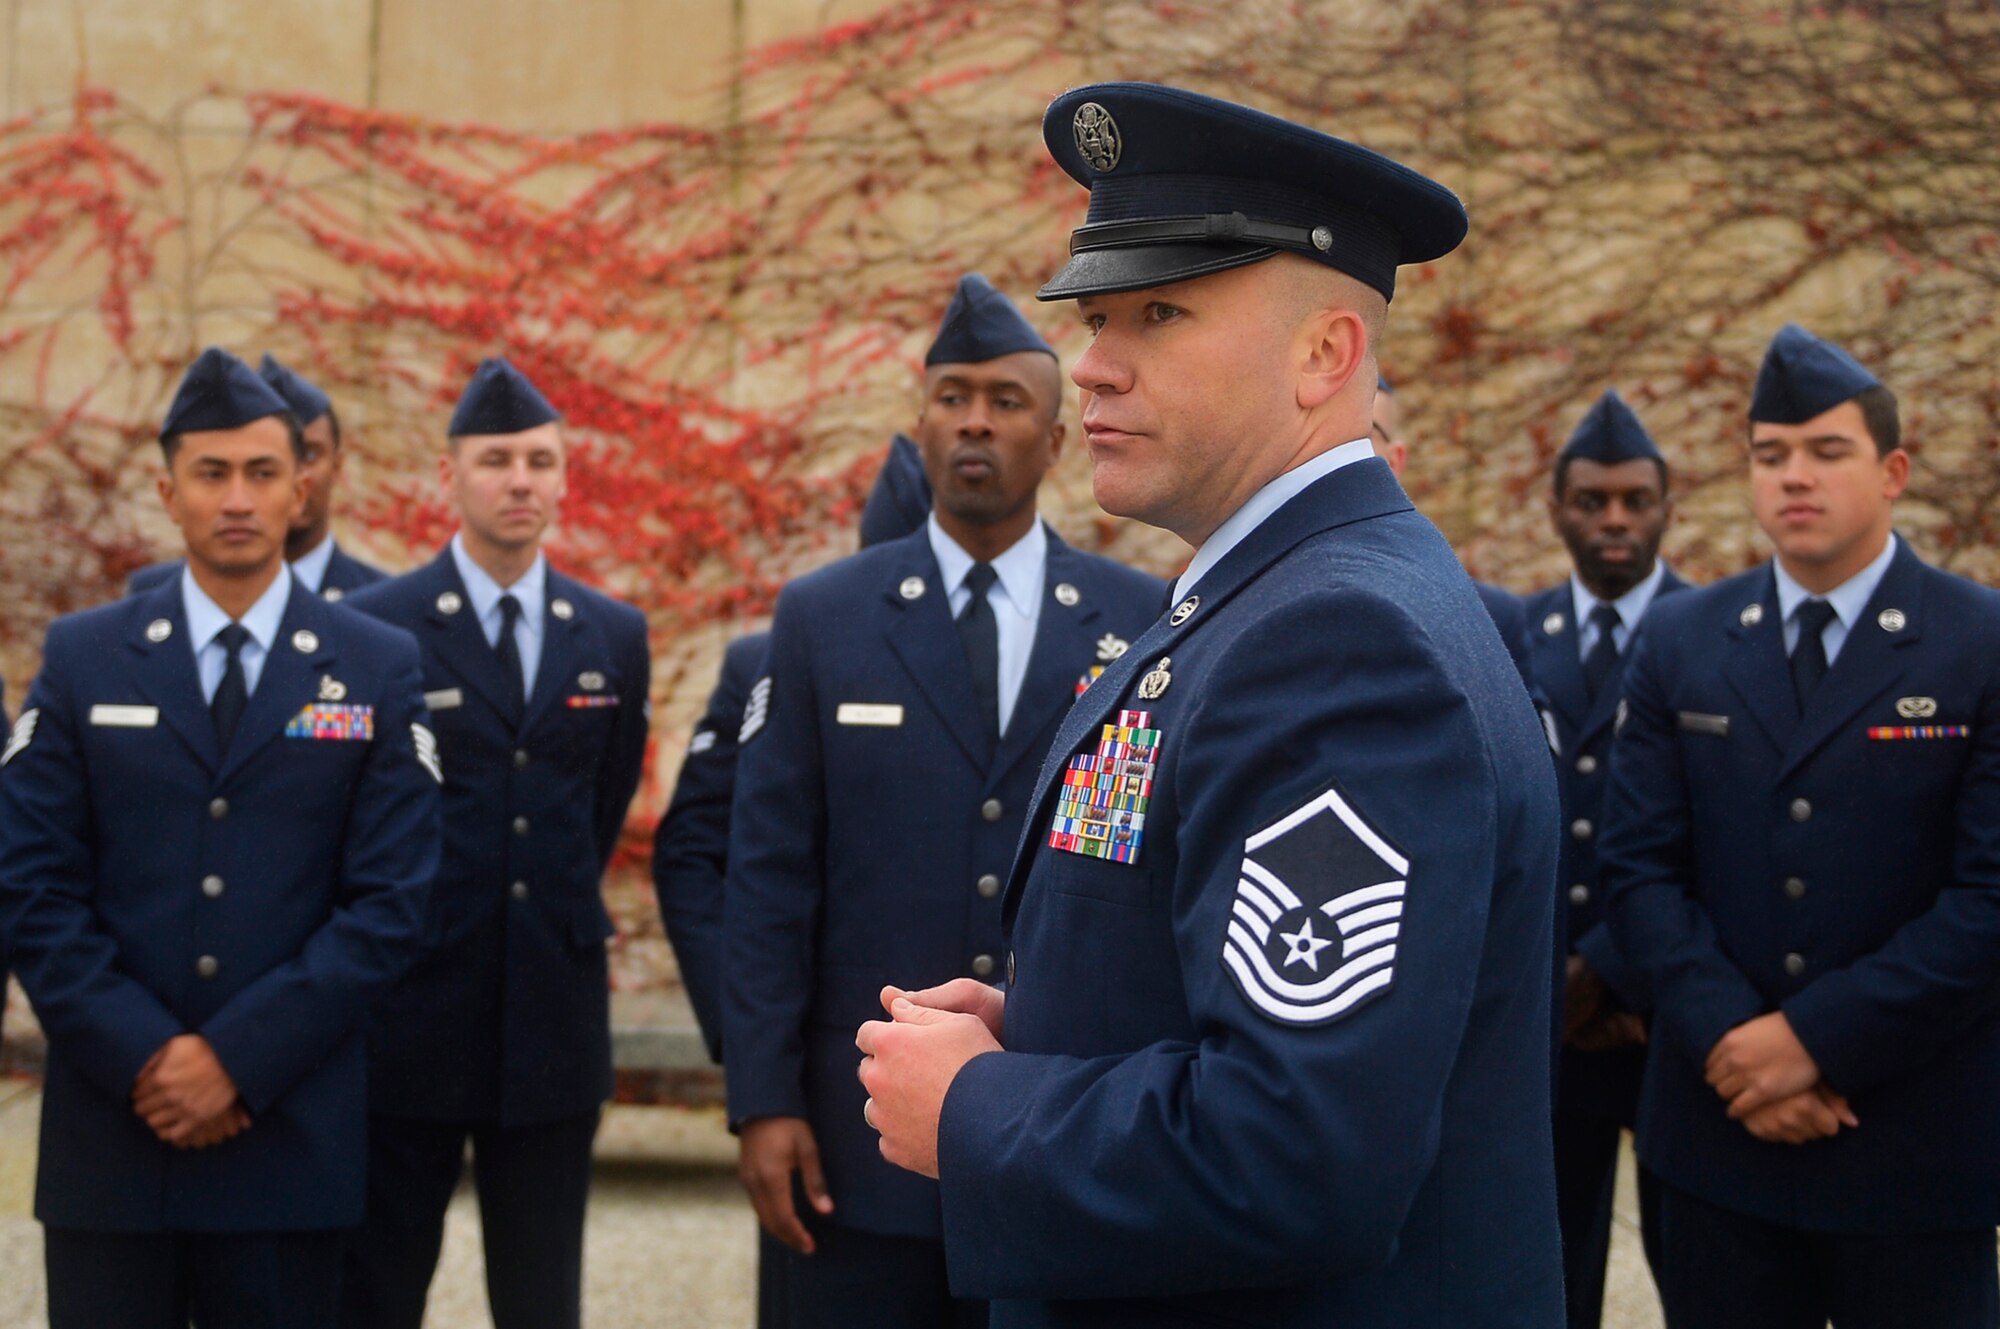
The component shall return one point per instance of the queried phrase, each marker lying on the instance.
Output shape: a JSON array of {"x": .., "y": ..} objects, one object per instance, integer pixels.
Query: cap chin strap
[{"x": 1206, "y": 228}]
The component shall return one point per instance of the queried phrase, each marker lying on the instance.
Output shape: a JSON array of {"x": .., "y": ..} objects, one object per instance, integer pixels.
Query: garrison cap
[
  {"x": 1804, "y": 376},
  {"x": 500, "y": 400},
  {"x": 981, "y": 324},
  {"x": 901, "y": 498},
  {"x": 1183, "y": 185},
  {"x": 220, "y": 392},
  {"x": 307, "y": 401},
  {"x": 1609, "y": 433}
]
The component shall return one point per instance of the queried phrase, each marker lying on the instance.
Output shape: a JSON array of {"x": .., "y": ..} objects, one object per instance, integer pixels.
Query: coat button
[
  {"x": 1795, "y": 964},
  {"x": 982, "y": 966},
  {"x": 520, "y": 759},
  {"x": 211, "y": 886},
  {"x": 991, "y": 809},
  {"x": 206, "y": 966},
  {"x": 1586, "y": 765},
  {"x": 520, "y": 825},
  {"x": 989, "y": 886},
  {"x": 1581, "y": 828},
  {"x": 1795, "y": 887},
  {"x": 1579, "y": 894},
  {"x": 218, "y": 808},
  {"x": 1801, "y": 810},
  {"x": 519, "y": 890}
]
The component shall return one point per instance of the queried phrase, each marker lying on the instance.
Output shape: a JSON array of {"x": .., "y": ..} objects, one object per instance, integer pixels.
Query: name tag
[
  {"x": 1698, "y": 722},
  {"x": 125, "y": 717},
  {"x": 445, "y": 699},
  {"x": 869, "y": 713}
]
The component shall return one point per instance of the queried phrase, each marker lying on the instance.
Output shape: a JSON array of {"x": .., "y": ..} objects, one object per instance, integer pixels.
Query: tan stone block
[
  {"x": 556, "y": 66},
  {"x": 159, "y": 55}
]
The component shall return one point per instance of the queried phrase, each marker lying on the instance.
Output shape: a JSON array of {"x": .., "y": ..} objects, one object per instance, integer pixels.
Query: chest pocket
[{"x": 1083, "y": 876}]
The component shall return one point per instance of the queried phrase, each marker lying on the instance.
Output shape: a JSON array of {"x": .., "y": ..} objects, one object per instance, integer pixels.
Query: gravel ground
[{"x": 670, "y": 1238}]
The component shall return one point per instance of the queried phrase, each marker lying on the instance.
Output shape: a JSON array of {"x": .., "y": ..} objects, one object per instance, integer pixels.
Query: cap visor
[{"x": 1106, "y": 271}]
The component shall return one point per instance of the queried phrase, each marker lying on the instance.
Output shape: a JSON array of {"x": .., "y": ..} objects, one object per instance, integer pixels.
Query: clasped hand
[
  {"x": 1773, "y": 1085},
  {"x": 909, "y": 1061},
  {"x": 186, "y": 1097}
]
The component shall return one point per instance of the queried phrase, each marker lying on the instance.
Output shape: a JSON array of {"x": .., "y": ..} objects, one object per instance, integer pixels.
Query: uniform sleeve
[
  {"x": 624, "y": 761},
  {"x": 106, "y": 1021},
  {"x": 1646, "y": 859},
  {"x": 1599, "y": 949},
  {"x": 691, "y": 848},
  {"x": 1267, "y": 1150},
  {"x": 1937, "y": 974},
  {"x": 275, "y": 1031},
  {"x": 771, "y": 901}
]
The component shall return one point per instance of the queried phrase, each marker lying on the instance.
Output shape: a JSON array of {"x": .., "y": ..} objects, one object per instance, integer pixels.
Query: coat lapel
[
  {"x": 1064, "y": 649},
  {"x": 456, "y": 637},
  {"x": 1353, "y": 493},
  {"x": 289, "y": 680},
  {"x": 562, "y": 649},
  {"x": 1558, "y": 670},
  {"x": 1754, "y": 662},
  {"x": 165, "y": 670},
  {"x": 924, "y": 638},
  {"x": 1870, "y": 661}
]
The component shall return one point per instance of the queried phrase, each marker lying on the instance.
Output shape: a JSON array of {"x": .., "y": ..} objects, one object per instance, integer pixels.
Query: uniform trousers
[
  {"x": 867, "y": 1280},
  {"x": 164, "y": 1280},
  {"x": 1723, "y": 1270},
  {"x": 533, "y": 1183},
  {"x": 1586, "y": 1182}
]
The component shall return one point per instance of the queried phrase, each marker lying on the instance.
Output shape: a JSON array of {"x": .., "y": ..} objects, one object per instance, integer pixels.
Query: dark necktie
[
  {"x": 232, "y": 694},
  {"x": 509, "y": 652},
  {"x": 1809, "y": 655},
  {"x": 1603, "y": 657},
  {"x": 980, "y": 631}
]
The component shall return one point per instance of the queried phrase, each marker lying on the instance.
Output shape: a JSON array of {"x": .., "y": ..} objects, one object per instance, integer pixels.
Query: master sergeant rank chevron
[{"x": 1318, "y": 909}]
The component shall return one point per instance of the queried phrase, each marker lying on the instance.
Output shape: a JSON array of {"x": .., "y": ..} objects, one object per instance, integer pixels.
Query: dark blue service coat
[
  {"x": 871, "y": 825},
  {"x": 691, "y": 847},
  {"x": 262, "y": 897},
  {"x": 1604, "y": 1084},
  {"x": 344, "y": 573},
  {"x": 1843, "y": 867},
  {"x": 505, "y": 1017},
  {"x": 1291, "y": 1066}
]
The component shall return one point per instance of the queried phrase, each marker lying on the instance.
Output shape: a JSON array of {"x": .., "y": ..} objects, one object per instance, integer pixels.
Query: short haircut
[
  {"x": 1885, "y": 423},
  {"x": 1562, "y": 473},
  {"x": 170, "y": 444}
]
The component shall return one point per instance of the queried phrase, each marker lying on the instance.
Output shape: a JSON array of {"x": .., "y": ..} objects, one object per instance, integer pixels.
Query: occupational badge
[
  {"x": 332, "y": 689},
  {"x": 1110, "y": 646},
  {"x": 1319, "y": 908},
  {"x": 1101, "y": 806},
  {"x": 1154, "y": 685}
]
